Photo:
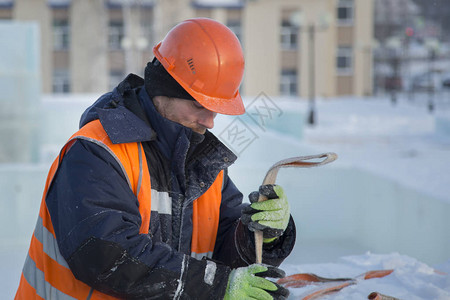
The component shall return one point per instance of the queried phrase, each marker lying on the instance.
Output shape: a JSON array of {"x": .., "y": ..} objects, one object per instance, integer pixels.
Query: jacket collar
[
  {"x": 128, "y": 115},
  {"x": 121, "y": 114},
  {"x": 170, "y": 134},
  {"x": 185, "y": 147}
]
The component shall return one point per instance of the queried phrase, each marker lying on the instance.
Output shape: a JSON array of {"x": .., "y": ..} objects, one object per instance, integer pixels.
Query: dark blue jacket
[{"x": 96, "y": 217}]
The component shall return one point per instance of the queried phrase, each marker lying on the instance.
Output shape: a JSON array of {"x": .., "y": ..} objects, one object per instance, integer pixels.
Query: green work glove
[
  {"x": 249, "y": 283},
  {"x": 270, "y": 216}
]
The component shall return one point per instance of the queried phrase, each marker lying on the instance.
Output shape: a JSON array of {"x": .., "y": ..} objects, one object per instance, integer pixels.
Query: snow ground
[
  {"x": 387, "y": 156},
  {"x": 411, "y": 279}
]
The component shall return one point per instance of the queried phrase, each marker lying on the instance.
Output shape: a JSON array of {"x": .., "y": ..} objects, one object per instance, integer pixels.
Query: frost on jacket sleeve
[
  {"x": 96, "y": 220},
  {"x": 235, "y": 245}
]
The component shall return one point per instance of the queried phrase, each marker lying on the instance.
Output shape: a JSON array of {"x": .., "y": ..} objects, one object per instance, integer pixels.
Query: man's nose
[{"x": 207, "y": 118}]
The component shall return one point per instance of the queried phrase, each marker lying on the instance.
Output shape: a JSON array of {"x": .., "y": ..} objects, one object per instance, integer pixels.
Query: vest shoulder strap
[{"x": 131, "y": 159}]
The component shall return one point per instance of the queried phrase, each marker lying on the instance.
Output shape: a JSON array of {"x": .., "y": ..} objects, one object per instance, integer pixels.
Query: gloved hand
[
  {"x": 270, "y": 216},
  {"x": 248, "y": 282}
]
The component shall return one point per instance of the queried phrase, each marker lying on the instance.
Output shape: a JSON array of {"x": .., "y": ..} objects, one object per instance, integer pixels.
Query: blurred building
[
  {"x": 436, "y": 14},
  {"x": 292, "y": 47},
  {"x": 393, "y": 18}
]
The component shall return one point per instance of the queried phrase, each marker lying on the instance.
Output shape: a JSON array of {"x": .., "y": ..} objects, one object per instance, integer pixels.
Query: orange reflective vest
[{"x": 46, "y": 274}]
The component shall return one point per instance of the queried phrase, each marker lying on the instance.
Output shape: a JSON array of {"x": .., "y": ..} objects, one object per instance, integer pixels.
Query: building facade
[{"x": 292, "y": 47}]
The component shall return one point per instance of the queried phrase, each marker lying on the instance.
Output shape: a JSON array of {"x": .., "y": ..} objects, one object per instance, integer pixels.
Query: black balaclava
[{"x": 158, "y": 82}]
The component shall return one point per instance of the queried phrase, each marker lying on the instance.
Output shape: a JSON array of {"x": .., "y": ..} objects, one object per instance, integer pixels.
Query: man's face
[{"x": 185, "y": 112}]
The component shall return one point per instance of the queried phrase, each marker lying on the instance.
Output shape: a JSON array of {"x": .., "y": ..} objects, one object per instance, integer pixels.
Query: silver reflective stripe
[
  {"x": 109, "y": 151},
  {"x": 90, "y": 294},
  {"x": 210, "y": 272},
  {"x": 199, "y": 256},
  {"x": 49, "y": 243},
  {"x": 161, "y": 202},
  {"x": 36, "y": 279},
  {"x": 140, "y": 170}
]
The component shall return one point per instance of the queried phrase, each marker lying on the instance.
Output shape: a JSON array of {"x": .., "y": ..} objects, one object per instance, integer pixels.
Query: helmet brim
[{"x": 233, "y": 106}]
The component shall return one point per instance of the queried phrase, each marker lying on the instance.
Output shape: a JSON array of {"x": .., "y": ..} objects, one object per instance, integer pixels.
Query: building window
[
  {"x": 288, "y": 83},
  {"x": 116, "y": 32},
  {"x": 236, "y": 27},
  {"x": 344, "y": 59},
  {"x": 61, "y": 81},
  {"x": 218, "y": 4},
  {"x": 147, "y": 26},
  {"x": 59, "y": 3},
  {"x": 289, "y": 36},
  {"x": 345, "y": 10},
  {"x": 61, "y": 35}
]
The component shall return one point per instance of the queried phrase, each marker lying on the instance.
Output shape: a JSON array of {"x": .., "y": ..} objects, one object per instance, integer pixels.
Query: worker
[{"x": 139, "y": 204}]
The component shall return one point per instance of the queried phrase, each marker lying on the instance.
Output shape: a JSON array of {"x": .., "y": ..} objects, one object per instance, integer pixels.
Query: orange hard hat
[{"x": 206, "y": 59}]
